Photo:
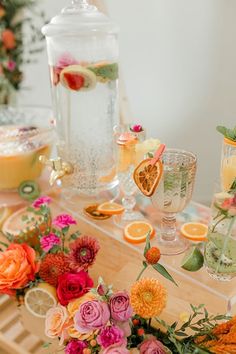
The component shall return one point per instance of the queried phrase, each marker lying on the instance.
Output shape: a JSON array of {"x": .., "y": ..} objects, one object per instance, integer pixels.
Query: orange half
[
  {"x": 137, "y": 231},
  {"x": 194, "y": 231},
  {"x": 109, "y": 208}
]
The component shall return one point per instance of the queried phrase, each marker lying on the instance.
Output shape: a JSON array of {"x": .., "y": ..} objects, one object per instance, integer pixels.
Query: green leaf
[
  {"x": 4, "y": 244},
  {"x": 75, "y": 235},
  {"x": 222, "y": 130},
  {"x": 160, "y": 269},
  {"x": 148, "y": 244},
  {"x": 46, "y": 345}
]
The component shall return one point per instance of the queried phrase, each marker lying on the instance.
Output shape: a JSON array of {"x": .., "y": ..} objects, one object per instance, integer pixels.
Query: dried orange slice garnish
[
  {"x": 137, "y": 231},
  {"x": 109, "y": 208},
  {"x": 147, "y": 176},
  {"x": 92, "y": 212}
]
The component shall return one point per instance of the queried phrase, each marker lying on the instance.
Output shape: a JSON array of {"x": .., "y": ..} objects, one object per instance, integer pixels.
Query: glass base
[
  {"x": 170, "y": 248},
  {"x": 127, "y": 217},
  {"x": 219, "y": 276}
]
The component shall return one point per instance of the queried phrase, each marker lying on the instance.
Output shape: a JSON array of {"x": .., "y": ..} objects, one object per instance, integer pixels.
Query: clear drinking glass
[
  {"x": 220, "y": 248},
  {"x": 228, "y": 163},
  {"x": 128, "y": 157},
  {"x": 172, "y": 195}
]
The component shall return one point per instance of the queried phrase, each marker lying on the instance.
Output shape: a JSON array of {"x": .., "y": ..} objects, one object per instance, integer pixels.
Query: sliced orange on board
[
  {"x": 147, "y": 176},
  {"x": 194, "y": 231},
  {"x": 109, "y": 208},
  {"x": 137, "y": 231}
]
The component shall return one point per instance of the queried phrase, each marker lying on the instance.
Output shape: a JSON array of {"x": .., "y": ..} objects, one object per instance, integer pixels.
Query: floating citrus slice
[
  {"x": 193, "y": 260},
  {"x": 194, "y": 231},
  {"x": 22, "y": 230},
  {"x": 147, "y": 176},
  {"x": 109, "y": 208},
  {"x": 92, "y": 212},
  {"x": 137, "y": 231},
  {"x": 4, "y": 214},
  {"x": 40, "y": 299},
  {"x": 77, "y": 78}
]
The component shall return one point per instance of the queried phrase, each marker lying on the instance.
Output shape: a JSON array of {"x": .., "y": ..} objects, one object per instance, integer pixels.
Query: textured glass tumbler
[{"x": 172, "y": 196}]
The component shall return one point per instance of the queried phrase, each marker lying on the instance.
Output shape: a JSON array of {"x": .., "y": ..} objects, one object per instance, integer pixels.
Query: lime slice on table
[{"x": 193, "y": 260}]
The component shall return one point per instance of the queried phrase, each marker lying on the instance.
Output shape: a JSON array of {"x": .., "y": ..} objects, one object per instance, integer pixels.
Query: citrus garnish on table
[
  {"x": 137, "y": 231},
  {"x": 40, "y": 299},
  {"x": 110, "y": 208},
  {"x": 92, "y": 212},
  {"x": 193, "y": 260},
  {"x": 194, "y": 231},
  {"x": 4, "y": 214}
]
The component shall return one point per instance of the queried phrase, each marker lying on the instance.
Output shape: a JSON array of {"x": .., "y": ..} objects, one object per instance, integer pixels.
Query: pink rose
[
  {"x": 152, "y": 346},
  {"x": 125, "y": 327},
  {"x": 47, "y": 242},
  {"x": 72, "y": 286},
  {"x": 44, "y": 200},
  {"x": 91, "y": 315},
  {"x": 63, "y": 220},
  {"x": 116, "y": 349},
  {"x": 11, "y": 65},
  {"x": 76, "y": 347},
  {"x": 120, "y": 307},
  {"x": 111, "y": 335},
  {"x": 57, "y": 321}
]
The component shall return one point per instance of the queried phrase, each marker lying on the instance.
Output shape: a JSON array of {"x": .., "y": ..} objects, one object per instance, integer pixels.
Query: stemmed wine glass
[{"x": 172, "y": 195}]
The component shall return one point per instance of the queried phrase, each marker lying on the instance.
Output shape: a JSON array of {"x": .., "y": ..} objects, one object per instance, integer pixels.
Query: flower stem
[
  {"x": 140, "y": 274},
  {"x": 214, "y": 227}
]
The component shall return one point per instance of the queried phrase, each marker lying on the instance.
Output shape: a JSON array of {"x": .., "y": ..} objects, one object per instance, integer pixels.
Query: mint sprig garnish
[{"x": 227, "y": 132}]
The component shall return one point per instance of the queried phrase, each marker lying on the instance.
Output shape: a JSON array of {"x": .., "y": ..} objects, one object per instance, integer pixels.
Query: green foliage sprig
[{"x": 227, "y": 132}]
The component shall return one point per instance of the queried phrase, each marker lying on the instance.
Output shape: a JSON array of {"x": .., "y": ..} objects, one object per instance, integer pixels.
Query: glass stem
[
  {"x": 129, "y": 202},
  {"x": 168, "y": 227}
]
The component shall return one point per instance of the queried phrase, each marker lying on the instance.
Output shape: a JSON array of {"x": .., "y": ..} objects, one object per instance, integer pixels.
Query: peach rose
[
  {"x": 72, "y": 308},
  {"x": 57, "y": 322},
  {"x": 8, "y": 39},
  {"x": 18, "y": 267}
]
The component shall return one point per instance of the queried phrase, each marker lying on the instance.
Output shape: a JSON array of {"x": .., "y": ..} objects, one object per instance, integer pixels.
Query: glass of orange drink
[{"x": 25, "y": 134}]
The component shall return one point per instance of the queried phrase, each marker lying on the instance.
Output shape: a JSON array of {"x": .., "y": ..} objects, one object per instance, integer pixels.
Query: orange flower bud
[
  {"x": 93, "y": 343},
  {"x": 8, "y": 39},
  {"x": 140, "y": 332},
  {"x": 153, "y": 255}
]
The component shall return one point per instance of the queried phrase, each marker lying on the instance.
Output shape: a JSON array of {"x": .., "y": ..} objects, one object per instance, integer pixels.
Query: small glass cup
[
  {"x": 173, "y": 194},
  {"x": 220, "y": 248},
  {"x": 228, "y": 164},
  {"x": 127, "y": 158}
]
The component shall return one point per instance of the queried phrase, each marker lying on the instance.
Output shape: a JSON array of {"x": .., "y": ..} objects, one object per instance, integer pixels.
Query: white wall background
[{"x": 179, "y": 63}]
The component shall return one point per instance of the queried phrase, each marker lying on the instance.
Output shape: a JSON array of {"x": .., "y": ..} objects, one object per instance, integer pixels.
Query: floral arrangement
[
  {"x": 15, "y": 48},
  {"x": 60, "y": 258}
]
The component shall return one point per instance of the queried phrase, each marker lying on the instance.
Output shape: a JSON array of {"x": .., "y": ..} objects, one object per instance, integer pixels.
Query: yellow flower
[
  {"x": 72, "y": 308},
  {"x": 148, "y": 297}
]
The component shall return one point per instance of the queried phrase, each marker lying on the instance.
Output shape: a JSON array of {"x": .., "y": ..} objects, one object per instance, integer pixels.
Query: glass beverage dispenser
[{"x": 83, "y": 61}]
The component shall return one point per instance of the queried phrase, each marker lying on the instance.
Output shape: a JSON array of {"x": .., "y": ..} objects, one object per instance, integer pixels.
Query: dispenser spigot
[{"x": 59, "y": 167}]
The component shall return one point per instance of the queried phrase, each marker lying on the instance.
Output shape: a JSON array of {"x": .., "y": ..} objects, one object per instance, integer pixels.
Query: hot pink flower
[
  {"x": 137, "y": 128},
  {"x": 111, "y": 335},
  {"x": 152, "y": 346},
  {"x": 116, "y": 349},
  {"x": 66, "y": 60},
  {"x": 63, "y": 220},
  {"x": 47, "y": 242},
  {"x": 91, "y": 315},
  {"x": 76, "y": 347},
  {"x": 44, "y": 200},
  {"x": 227, "y": 203},
  {"x": 11, "y": 65},
  {"x": 120, "y": 307}
]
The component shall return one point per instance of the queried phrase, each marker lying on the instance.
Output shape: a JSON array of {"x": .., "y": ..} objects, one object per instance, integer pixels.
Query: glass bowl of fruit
[{"x": 26, "y": 132}]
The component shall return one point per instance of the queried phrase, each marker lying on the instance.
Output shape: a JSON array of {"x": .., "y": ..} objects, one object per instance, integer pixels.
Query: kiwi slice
[
  {"x": 215, "y": 261},
  {"x": 105, "y": 72},
  {"x": 219, "y": 239},
  {"x": 29, "y": 190}
]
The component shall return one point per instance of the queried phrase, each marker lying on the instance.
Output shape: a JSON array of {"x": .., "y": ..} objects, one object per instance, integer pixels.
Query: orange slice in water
[
  {"x": 194, "y": 231},
  {"x": 109, "y": 208},
  {"x": 137, "y": 231},
  {"x": 147, "y": 176}
]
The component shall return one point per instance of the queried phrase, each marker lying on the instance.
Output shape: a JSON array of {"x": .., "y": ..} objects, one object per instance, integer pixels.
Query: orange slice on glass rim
[
  {"x": 137, "y": 231},
  {"x": 194, "y": 231},
  {"x": 109, "y": 208}
]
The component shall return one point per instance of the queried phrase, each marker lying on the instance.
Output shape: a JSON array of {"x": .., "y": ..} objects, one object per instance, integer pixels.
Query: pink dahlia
[
  {"x": 64, "y": 220},
  {"x": 83, "y": 252}
]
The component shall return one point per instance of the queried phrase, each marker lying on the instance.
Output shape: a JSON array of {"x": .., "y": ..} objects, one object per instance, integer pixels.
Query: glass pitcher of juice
[
  {"x": 83, "y": 61},
  {"x": 228, "y": 163}
]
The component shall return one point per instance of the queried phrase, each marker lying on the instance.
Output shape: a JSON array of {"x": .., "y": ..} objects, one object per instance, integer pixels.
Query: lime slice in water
[{"x": 193, "y": 260}]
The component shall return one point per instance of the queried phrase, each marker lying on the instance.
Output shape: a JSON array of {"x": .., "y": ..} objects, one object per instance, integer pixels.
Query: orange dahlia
[
  {"x": 52, "y": 266},
  {"x": 148, "y": 297}
]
